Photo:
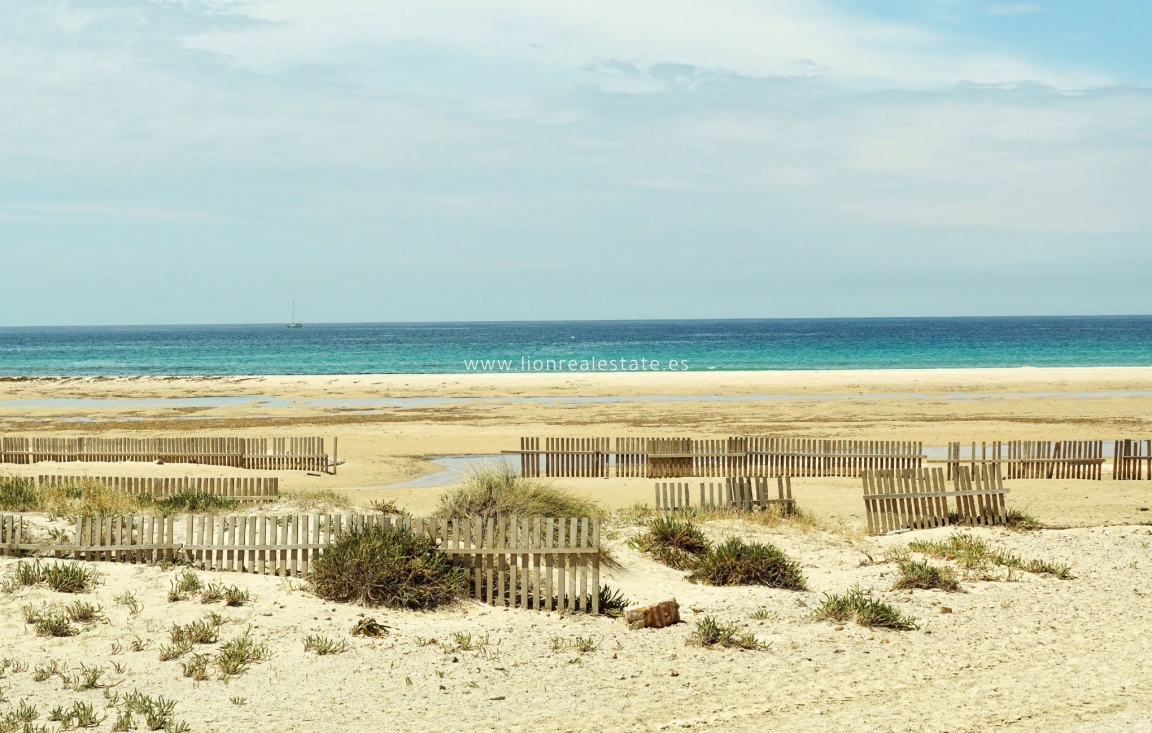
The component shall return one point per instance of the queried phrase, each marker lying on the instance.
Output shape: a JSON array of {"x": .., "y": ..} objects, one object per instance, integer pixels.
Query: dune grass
[
  {"x": 62, "y": 577},
  {"x": 977, "y": 556},
  {"x": 309, "y": 500},
  {"x": 861, "y": 606},
  {"x": 772, "y": 516},
  {"x": 91, "y": 498},
  {"x": 675, "y": 542},
  {"x": 494, "y": 490},
  {"x": 711, "y": 633},
  {"x": 918, "y": 574},
  {"x": 736, "y": 562}
]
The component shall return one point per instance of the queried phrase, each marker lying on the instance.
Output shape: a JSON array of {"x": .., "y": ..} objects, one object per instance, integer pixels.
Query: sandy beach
[
  {"x": 385, "y": 442},
  {"x": 1032, "y": 654}
]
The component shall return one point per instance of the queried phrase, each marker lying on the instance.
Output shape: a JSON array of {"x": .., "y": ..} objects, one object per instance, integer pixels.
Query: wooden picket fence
[
  {"x": 237, "y": 488},
  {"x": 138, "y": 539},
  {"x": 765, "y": 456},
  {"x": 1043, "y": 459},
  {"x": 1132, "y": 460},
  {"x": 276, "y": 454},
  {"x": 576, "y": 457},
  {"x": 541, "y": 564},
  {"x": 918, "y": 499},
  {"x": 775, "y": 456},
  {"x": 742, "y": 493}
]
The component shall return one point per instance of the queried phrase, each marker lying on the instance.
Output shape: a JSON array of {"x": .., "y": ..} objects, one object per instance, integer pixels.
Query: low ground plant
[
  {"x": 919, "y": 574},
  {"x": 70, "y": 577},
  {"x": 183, "y": 585},
  {"x": 310, "y": 500},
  {"x": 62, "y": 577},
  {"x": 237, "y": 655},
  {"x": 386, "y": 566},
  {"x": 323, "y": 645},
  {"x": 977, "y": 556},
  {"x": 711, "y": 633},
  {"x": 861, "y": 606},
  {"x": 677, "y": 543},
  {"x": 735, "y": 562},
  {"x": 193, "y": 502},
  {"x": 369, "y": 627},
  {"x": 83, "y": 612},
  {"x": 612, "y": 602},
  {"x": 1021, "y": 521}
]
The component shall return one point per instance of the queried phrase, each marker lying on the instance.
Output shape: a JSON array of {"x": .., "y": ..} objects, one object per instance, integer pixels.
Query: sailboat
[{"x": 294, "y": 323}]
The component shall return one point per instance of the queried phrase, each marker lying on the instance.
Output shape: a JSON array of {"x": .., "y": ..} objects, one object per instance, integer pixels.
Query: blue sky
[{"x": 197, "y": 161}]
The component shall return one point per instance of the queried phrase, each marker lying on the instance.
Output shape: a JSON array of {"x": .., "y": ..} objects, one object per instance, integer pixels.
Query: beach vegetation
[
  {"x": 978, "y": 556},
  {"x": 1021, "y": 521},
  {"x": 711, "y": 633},
  {"x": 368, "y": 626},
  {"x": 386, "y": 566},
  {"x": 494, "y": 490},
  {"x": 237, "y": 655},
  {"x": 183, "y": 585},
  {"x": 861, "y": 606},
  {"x": 323, "y": 645},
  {"x": 313, "y": 500},
  {"x": 736, "y": 562},
  {"x": 62, "y": 577},
  {"x": 919, "y": 574},
  {"x": 612, "y": 602},
  {"x": 675, "y": 542},
  {"x": 92, "y": 498}
]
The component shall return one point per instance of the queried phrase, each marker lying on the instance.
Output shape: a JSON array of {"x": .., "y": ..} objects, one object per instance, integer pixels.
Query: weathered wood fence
[
  {"x": 918, "y": 499},
  {"x": 1045, "y": 459},
  {"x": 1132, "y": 460},
  {"x": 284, "y": 454},
  {"x": 237, "y": 488},
  {"x": 736, "y": 456},
  {"x": 742, "y": 493},
  {"x": 543, "y": 564}
]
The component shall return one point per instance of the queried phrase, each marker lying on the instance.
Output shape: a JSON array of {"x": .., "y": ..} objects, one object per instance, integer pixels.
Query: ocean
[{"x": 439, "y": 348}]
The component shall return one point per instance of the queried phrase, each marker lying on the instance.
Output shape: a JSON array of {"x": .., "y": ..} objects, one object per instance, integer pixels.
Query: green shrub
[
  {"x": 860, "y": 606},
  {"x": 710, "y": 633},
  {"x": 919, "y": 574},
  {"x": 677, "y": 543},
  {"x": 735, "y": 562},
  {"x": 386, "y": 566}
]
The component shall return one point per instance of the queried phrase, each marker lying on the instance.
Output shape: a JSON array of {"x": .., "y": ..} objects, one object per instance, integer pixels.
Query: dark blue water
[{"x": 578, "y": 346}]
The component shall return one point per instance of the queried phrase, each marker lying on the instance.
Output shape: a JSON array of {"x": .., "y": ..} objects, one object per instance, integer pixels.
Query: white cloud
[{"x": 779, "y": 38}]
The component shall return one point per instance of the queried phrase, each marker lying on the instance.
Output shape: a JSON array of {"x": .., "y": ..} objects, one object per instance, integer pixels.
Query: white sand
[{"x": 1038, "y": 654}]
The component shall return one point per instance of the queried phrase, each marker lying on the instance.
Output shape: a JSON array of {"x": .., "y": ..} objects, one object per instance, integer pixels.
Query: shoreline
[{"x": 846, "y": 382}]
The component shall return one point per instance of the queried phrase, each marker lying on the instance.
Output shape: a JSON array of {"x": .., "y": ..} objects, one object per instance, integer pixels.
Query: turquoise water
[{"x": 578, "y": 346}]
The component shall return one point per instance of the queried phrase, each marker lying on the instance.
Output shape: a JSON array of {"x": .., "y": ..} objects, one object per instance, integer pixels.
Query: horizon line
[{"x": 587, "y": 320}]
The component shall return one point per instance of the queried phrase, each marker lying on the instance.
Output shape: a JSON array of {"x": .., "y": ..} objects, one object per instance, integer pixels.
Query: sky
[{"x": 210, "y": 161}]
